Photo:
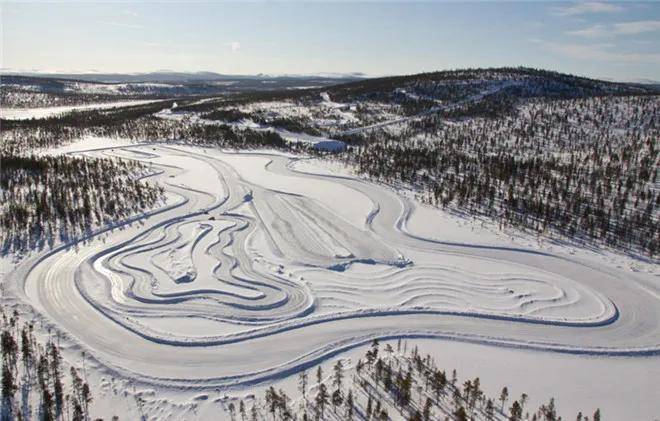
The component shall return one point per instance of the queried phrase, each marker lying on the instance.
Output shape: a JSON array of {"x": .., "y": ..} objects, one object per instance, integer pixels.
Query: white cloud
[
  {"x": 598, "y": 52},
  {"x": 596, "y": 31},
  {"x": 637, "y": 27},
  {"x": 582, "y": 8},
  {"x": 623, "y": 28},
  {"x": 235, "y": 45},
  {"x": 121, "y": 24}
]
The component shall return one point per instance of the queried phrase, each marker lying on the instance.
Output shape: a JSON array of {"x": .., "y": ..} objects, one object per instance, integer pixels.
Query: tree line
[
  {"x": 388, "y": 383},
  {"x": 34, "y": 371},
  {"x": 61, "y": 197},
  {"x": 584, "y": 168},
  {"x": 22, "y": 138}
]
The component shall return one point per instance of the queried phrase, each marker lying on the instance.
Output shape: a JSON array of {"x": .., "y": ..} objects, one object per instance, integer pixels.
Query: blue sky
[{"x": 606, "y": 40}]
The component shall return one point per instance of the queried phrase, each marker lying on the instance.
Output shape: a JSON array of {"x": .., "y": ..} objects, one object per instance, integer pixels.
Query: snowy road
[{"x": 258, "y": 270}]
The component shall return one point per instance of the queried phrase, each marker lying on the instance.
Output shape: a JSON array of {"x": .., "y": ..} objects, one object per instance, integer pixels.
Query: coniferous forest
[
  {"x": 394, "y": 382},
  {"x": 549, "y": 153},
  {"x": 583, "y": 168},
  {"x": 52, "y": 198},
  {"x": 33, "y": 370}
]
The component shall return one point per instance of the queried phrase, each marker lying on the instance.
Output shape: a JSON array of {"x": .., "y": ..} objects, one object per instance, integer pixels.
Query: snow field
[{"x": 259, "y": 270}]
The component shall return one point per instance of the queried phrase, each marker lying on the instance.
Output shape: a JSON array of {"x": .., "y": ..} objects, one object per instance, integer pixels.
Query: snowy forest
[
  {"x": 33, "y": 371},
  {"x": 583, "y": 168},
  {"x": 51, "y": 198},
  {"x": 394, "y": 383},
  {"x": 546, "y": 152}
]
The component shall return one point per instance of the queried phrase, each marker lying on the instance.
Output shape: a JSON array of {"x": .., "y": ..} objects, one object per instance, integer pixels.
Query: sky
[{"x": 619, "y": 41}]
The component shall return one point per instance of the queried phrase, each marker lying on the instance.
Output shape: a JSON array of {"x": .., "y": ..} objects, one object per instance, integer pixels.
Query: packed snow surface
[{"x": 261, "y": 269}]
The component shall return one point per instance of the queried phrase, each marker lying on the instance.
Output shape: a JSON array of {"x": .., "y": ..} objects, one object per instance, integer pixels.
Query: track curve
[{"x": 258, "y": 270}]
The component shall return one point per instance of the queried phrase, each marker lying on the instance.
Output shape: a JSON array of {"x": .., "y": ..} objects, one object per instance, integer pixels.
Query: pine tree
[
  {"x": 504, "y": 396},
  {"x": 349, "y": 405},
  {"x": 9, "y": 386},
  {"x": 338, "y": 375},
  {"x": 515, "y": 412},
  {"x": 232, "y": 410},
  {"x": 241, "y": 410},
  {"x": 460, "y": 414},
  {"x": 321, "y": 399},
  {"x": 490, "y": 410},
  {"x": 337, "y": 399},
  {"x": 427, "y": 409},
  {"x": 302, "y": 384},
  {"x": 319, "y": 375},
  {"x": 596, "y": 416}
]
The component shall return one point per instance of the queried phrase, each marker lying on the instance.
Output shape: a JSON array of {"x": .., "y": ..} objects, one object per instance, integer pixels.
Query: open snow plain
[
  {"x": 45, "y": 112},
  {"x": 255, "y": 270}
]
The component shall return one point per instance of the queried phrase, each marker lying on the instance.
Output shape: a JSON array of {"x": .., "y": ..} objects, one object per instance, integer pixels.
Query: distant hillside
[
  {"x": 188, "y": 77},
  {"x": 489, "y": 91},
  {"x": 530, "y": 81},
  {"x": 67, "y": 89}
]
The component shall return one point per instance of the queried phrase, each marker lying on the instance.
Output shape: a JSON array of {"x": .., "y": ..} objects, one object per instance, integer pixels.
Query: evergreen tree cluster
[
  {"x": 21, "y": 138},
  {"x": 11, "y": 97},
  {"x": 388, "y": 384},
  {"x": 454, "y": 85},
  {"x": 48, "y": 197},
  {"x": 34, "y": 372},
  {"x": 584, "y": 168},
  {"x": 194, "y": 133},
  {"x": 36, "y": 92}
]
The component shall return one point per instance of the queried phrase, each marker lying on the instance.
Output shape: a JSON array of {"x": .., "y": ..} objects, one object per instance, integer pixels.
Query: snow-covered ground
[
  {"x": 87, "y": 143},
  {"x": 27, "y": 113},
  {"x": 319, "y": 142},
  {"x": 267, "y": 264}
]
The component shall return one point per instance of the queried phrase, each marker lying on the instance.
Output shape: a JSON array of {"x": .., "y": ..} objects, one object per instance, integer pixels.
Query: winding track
[{"x": 275, "y": 280}]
